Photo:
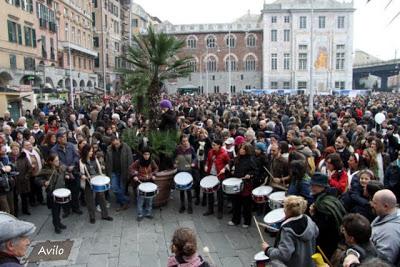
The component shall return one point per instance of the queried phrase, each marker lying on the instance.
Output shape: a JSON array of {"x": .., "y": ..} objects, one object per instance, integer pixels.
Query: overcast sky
[{"x": 372, "y": 31}]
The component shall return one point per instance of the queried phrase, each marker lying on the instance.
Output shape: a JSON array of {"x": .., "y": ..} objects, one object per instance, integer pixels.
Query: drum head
[
  {"x": 209, "y": 181},
  {"x": 147, "y": 187},
  {"x": 275, "y": 216},
  {"x": 278, "y": 196},
  {"x": 260, "y": 256},
  {"x": 100, "y": 180},
  {"x": 232, "y": 181},
  {"x": 263, "y": 190},
  {"x": 62, "y": 192},
  {"x": 183, "y": 178}
]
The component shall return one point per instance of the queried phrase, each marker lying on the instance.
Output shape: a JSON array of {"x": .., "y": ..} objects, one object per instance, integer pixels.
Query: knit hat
[
  {"x": 230, "y": 141},
  {"x": 165, "y": 103},
  {"x": 239, "y": 140},
  {"x": 319, "y": 179},
  {"x": 261, "y": 146}
]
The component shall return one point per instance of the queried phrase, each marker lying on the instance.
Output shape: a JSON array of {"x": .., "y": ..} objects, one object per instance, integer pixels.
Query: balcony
[{"x": 79, "y": 48}]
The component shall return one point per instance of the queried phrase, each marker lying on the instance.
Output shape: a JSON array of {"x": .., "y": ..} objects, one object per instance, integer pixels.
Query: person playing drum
[
  {"x": 185, "y": 160},
  {"x": 295, "y": 243},
  {"x": 89, "y": 167},
  {"x": 143, "y": 170},
  {"x": 52, "y": 178}
]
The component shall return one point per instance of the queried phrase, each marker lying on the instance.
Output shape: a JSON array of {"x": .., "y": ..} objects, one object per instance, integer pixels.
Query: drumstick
[
  {"x": 324, "y": 256},
  {"x": 265, "y": 168},
  {"x": 258, "y": 228},
  {"x": 207, "y": 251}
]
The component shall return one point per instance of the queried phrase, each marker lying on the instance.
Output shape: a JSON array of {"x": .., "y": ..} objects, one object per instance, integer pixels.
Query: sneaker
[
  {"x": 182, "y": 209},
  {"x": 190, "y": 210},
  {"x": 231, "y": 223},
  {"x": 62, "y": 226},
  {"x": 139, "y": 218},
  {"x": 208, "y": 213},
  {"x": 108, "y": 218},
  {"x": 92, "y": 220},
  {"x": 149, "y": 216},
  {"x": 57, "y": 230},
  {"x": 245, "y": 226},
  {"x": 98, "y": 208}
]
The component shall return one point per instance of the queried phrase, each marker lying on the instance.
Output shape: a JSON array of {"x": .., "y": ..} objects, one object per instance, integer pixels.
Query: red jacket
[
  {"x": 340, "y": 183},
  {"x": 220, "y": 158}
]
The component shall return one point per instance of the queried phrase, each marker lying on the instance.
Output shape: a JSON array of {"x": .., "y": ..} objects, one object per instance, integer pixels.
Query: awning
[{"x": 52, "y": 101}]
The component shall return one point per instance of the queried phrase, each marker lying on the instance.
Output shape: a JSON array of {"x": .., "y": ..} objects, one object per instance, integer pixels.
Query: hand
[
  {"x": 70, "y": 168},
  {"x": 46, "y": 184},
  {"x": 136, "y": 179},
  {"x": 83, "y": 177},
  {"x": 264, "y": 246},
  {"x": 193, "y": 165},
  {"x": 349, "y": 260},
  {"x": 276, "y": 180},
  {"x": 6, "y": 168},
  {"x": 247, "y": 176},
  {"x": 205, "y": 169}
]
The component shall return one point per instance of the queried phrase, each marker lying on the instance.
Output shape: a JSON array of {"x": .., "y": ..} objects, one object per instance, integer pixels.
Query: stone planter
[{"x": 163, "y": 181}]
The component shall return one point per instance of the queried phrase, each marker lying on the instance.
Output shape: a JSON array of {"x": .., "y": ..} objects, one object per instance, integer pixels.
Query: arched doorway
[
  {"x": 49, "y": 83},
  {"x": 5, "y": 77},
  {"x": 60, "y": 84},
  {"x": 82, "y": 85},
  {"x": 33, "y": 80}
]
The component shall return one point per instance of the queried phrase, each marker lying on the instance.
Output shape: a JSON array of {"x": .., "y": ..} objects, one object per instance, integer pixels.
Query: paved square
[{"x": 126, "y": 242}]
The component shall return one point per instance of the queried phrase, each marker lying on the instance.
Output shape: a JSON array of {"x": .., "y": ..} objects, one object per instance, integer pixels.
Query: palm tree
[{"x": 153, "y": 59}]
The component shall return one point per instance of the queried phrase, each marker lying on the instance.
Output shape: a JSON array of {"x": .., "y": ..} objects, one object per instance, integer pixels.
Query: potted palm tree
[{"x": 153, "y": 59}]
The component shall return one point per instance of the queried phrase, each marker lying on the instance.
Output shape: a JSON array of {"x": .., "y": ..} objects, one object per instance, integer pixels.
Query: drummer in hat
[
  {"x": 143, "y": 170},
  {"x": 14, "y": 239}
]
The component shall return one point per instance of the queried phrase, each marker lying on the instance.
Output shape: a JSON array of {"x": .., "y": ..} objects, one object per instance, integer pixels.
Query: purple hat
[{"x": 165, "y": 103}]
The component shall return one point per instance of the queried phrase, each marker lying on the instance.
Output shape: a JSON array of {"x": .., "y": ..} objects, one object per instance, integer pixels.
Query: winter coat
[
  {"x": 23, "y": 184},
  {"x": 301, "y": 188},
  {"x": 296, "y": 242},
  {"x": 220, "y": 158},
  {"x": 8, "y": 260},
  {"x": 339, "y": 180},
  {"x": 126, "y": 161},
  {"x": 168, "y": 121},
  {"x": 184, "y": 158},
  {"x": 392, "y": 179},
  {"x": 55, "y": 176},
  {"x": 194, "y": 261},
  {"x": 386, "y": 235},
  {"x": 354, "y": 200},
  {"x": 245, "y": 165}
]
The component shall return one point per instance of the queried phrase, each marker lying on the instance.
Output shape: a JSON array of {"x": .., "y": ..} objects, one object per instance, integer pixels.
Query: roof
[{"x": 308, "y": 4}]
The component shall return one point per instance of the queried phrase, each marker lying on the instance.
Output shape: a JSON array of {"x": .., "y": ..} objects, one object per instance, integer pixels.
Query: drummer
[
  {"x": 143, "y": 170},
  {"x": 53, "y": 177},
  {"x": 89, "y": 167},
  {"x": 185, "y": 160},
  {"x": 295, "y": 243}
]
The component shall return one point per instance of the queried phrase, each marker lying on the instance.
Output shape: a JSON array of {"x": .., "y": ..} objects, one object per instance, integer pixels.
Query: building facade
[
  {"x": 226, "y": 58},
  {"x": 308, "y": 44}
]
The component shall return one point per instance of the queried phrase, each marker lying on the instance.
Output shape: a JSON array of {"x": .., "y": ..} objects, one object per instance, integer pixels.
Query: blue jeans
[
  {"x": 119, "y": 189},
  {"x": 144, "y": 205}
]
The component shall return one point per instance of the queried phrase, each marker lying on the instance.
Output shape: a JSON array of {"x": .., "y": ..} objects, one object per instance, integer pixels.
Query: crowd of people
[{"x": 339, "y": 167}]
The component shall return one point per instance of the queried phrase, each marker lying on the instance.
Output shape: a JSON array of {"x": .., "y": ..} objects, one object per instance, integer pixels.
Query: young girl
[{"x": 184, "y": 246}]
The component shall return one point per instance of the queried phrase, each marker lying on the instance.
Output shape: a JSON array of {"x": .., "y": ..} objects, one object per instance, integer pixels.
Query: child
[{"x": 184, "y": 246}]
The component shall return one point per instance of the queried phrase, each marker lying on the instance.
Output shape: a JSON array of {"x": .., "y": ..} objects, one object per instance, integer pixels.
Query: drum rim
[
  {"x": 202, "y": 181},
  {"x": 62, "y": 190},
  {"x": 266, "y": 186},
  {"x": 273, "y": 212},
  {"x": 263, "y": 254},
  {"x": 97, "y": 179},
  {"x": 277, "y": 193},
  {"x": 147, "y": 184}
]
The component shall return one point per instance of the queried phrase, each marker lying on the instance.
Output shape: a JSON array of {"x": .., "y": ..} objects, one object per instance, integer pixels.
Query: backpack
[{"x": 331, "y": 206}]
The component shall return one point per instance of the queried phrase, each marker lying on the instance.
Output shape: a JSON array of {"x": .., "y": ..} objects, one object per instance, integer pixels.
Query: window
[
  {"x": 274, "y": 34},
  {"x": 135, "y": 23},
  {"x": 301, "y": 85},
  {"x": 303, "y": 22},
  {"x": 340, "y": 60},
  {"x": 116, "y": 46},
  {"x": 211, "y": 41},
  {"x": 286, "y": 35},
  {"x": 274, "y": 61},
  {"x": 302, "y": 61},
  {"x": 286, "y": 61},
  {"x": 287, "y": 19},
  {"x": 216, "y": 89},
  {"x": 251, "y": 40},
  {"x": 321, "y": 22},
  {"x": 340, "y": 47},
  {"x": 30, "y": 36},
  {"x": 29, "y": 63},
  {"x": 250, "y": 63},
  {"x": 73, "y": 35},
  {"x": 191, "y": 42},
  {"x": 274, "y": 85},
  {"x": 230, "y": 41},
  {"x": 302, "y": 47},
  {"x": 13, "y": 62},
  {"x": 273, "y": 19},
  {"x": 286, "y": 85},
  {"x": 193, "y": 65},
  {"x": 233, "y": 89},
  {"x": 66, "y": 31},
  {"x": 14, "y": 32},
  {"x": 340, "y": 84},
  {"x": 211, "y": 64},
  {"x": 340, "y": 22},
  {"x": 230, "y": 61},
  {"x": 96, "y": 41}
]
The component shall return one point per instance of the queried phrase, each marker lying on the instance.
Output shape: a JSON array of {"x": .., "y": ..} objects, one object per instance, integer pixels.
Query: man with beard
[{"x": 341, "y": 148}]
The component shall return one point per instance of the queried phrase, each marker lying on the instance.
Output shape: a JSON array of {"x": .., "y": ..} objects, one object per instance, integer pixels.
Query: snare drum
[
  {"x": 261, "y": 259},
  {"x": 274, "y": 219},
  {"x": 209, "y": 184},
  {"x": 260, "y": 194},
  {"x": 100, "y": 183},
  {"x": 232, "y": 185},
  {"x": 62, "y": 195},
  {"x": 276, "y": 199},
  {"x": 183, "y": 181},
  {"x": 147, "y": 190}
]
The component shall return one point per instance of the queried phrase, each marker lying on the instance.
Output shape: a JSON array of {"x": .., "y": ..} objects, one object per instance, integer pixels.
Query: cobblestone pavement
[{"x": 126, "y": 242}]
